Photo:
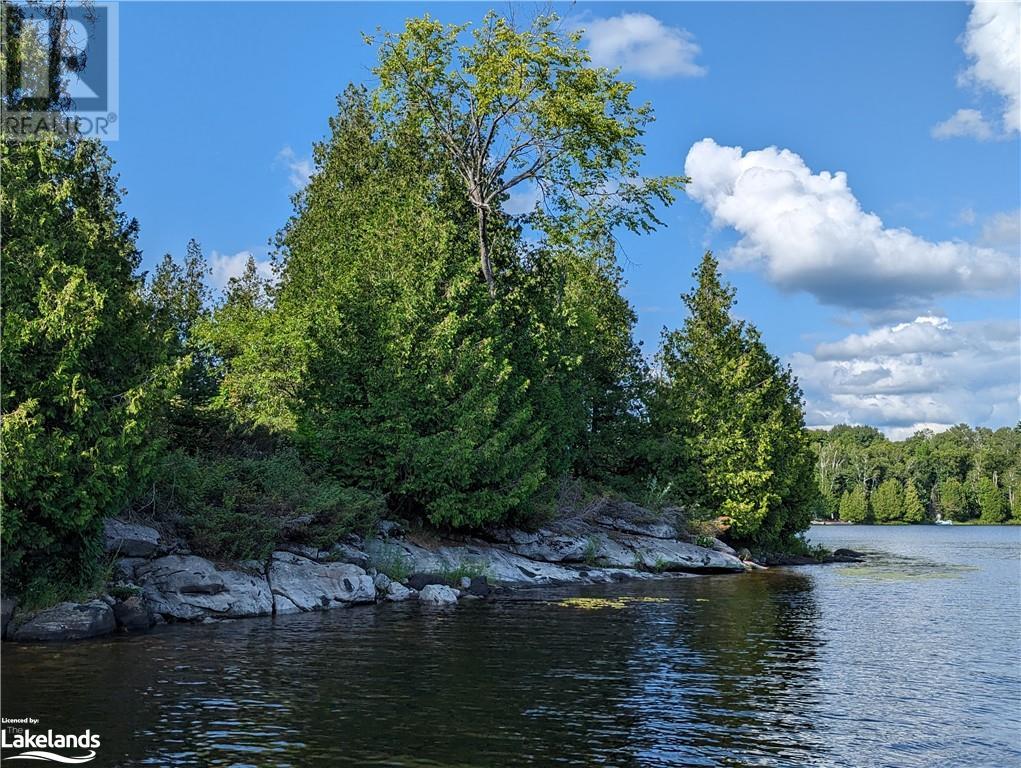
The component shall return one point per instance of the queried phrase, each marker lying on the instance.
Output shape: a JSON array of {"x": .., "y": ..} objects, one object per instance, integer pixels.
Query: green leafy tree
[
  {"x": 888, "y": 501},
  {"x": 83, "y": 375},
  {"x": 990, "y": 502},
  {"x": 914, "y": 510},
  {"x": 508, "y": 107},
  {"x": 854, "y": 506},
  {"x": 731, "y": 419},
  {"x": 953, "y": 500}
]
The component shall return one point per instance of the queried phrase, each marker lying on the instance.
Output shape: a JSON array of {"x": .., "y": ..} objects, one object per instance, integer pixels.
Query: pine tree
[
  {"x": 990, "y": 501},
  {"x": 888, "y": 501},
  {"x": 914, "y": 510},
  {"x": 854, "y": 506},
  {"x": 953, "y": 500},
  {"x": 732, "y": 419}
]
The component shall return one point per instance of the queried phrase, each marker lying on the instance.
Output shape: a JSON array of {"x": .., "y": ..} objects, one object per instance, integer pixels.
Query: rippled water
[{"x": 910, "y": 660}]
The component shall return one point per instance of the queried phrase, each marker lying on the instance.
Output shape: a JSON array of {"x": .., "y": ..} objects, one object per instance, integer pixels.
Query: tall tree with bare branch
[{"x": 524, "y": 109}]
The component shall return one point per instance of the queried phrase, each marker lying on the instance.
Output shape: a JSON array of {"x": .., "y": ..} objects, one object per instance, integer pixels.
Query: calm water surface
[{"x": 913, "y": 659}]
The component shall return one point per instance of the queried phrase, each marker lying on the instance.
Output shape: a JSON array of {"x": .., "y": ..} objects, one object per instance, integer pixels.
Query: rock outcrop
[
  {"x": 299, "y": 584},
  {"x": 187, "y": 588},
  {"x": 130, "y": 539},
  {"x": 67, "y": 621},
  {"x": 437, "y": 594}
]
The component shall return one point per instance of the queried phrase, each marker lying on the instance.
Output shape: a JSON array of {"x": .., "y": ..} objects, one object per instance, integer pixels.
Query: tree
[
  {"x": 953, "y": 499},
  {"x": 914, "y": 510},
  {"x": 888, "y": 501},
  {"x": 732, "y": 416},
  {"x": 514, "y": 107},
  {"x": 854, "y": 506},
  {"x": 84, "y": 377},
  {"x": 990, "y": 502}
]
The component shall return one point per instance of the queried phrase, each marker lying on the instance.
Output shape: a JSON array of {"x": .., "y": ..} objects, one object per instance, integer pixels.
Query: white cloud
[
  {"x": 928, "y": 373},
  {"x": 966, "y": 216},
  {"x": 1002, "y": 230},
  {"x": 966, "y": 123},
  {"x": 992, "y": 41},
  {"x": 225, "y": 266},
  {"x": 641, "y": 44},
  {"x": 808, "y": 232},
  {"x": 300, "y": 168},
  {"x": 522, "y": 199}
]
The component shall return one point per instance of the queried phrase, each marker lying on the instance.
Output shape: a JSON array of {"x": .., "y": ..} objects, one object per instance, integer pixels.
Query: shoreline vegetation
[{"x": 420, "y": 353}]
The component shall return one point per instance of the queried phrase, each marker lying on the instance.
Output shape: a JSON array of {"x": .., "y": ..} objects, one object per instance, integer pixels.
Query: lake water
[{"x": 913, "y": 659}]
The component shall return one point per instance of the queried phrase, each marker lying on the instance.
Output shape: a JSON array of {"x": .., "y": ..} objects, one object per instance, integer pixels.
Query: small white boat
[{"x": 941, "y": 521}]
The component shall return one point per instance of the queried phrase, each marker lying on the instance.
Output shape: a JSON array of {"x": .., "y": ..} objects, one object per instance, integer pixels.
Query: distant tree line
[{"x": 962, "y": 474}]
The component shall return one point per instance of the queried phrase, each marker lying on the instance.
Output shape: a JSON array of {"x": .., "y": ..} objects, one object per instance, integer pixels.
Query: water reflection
[{"x": 776, "y": 668}]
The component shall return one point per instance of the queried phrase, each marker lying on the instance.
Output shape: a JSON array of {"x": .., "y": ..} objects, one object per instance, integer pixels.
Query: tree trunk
[{"x": 486, "y": 263}]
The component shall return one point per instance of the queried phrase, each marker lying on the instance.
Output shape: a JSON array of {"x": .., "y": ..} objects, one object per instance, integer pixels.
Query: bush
[{"x": 241, "y": 506}]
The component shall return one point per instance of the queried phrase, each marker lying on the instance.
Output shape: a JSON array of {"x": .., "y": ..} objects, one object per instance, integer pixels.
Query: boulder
[
  {"x": 646, "y": 553},
  {"x": 546, "y": 545},
  {"x": 478, "y": 586},
  {"x": 300, "y": 584},
  {"x": 437, "y": 594},
  {"x": 397, "y": 592},
  {"x": 723, "y": 547},
  {"x": 124, "y": 568},
  {"x": 347, "y": 553},
  {"x": 68, "y": 621},
  {"x": 189, "y": 588},
  {"x": 420, "y": 581},
  {"x": 7, "y": 606},
  {"x": 627, "y": 517},
  {"x": 382, "y": 582},
  {"x": 846, "y": 556},
  {"x": 133, "y": 615},
  {"x": 130, "y": 539}
]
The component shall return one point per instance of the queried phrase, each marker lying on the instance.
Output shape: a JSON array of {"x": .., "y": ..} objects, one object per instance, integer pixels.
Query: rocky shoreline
[{"x": 158, "y": 581}]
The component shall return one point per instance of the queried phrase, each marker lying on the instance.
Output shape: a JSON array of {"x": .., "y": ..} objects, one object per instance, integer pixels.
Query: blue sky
[{"x": 893, "y": 292}]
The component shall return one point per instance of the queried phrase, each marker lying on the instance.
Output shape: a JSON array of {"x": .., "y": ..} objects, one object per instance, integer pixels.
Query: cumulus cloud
[
  {"x": 224, "y": 266},
  {"x": 927, "y": 373},
  {"x": 992, "y": 41},
  {"x": 300, "y": 168},
  {"x": 964, "y": 122},
  {"x": 808, "y": 232},
  {"x": 643, "y": 45}
]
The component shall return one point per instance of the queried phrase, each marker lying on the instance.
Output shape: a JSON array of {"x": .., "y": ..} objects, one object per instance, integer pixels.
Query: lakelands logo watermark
[
  {"x": 62, "y": 76},
  {"x": 17, "y": 734}
]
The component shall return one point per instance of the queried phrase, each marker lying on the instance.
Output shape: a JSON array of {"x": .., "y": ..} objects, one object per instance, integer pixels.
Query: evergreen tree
[
  {"x": 953, "y": 500},
  {"x": 888, "y": 501},
  {"x": 83, "y": 375},
  {"x": 914, "y": 510},
  {"x": 990, "y": 502},
  {"x": 854, "y": 506},
  {"x": 731, "y": 417}
]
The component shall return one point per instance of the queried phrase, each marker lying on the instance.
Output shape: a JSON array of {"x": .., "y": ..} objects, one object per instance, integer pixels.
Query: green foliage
[
  {"x": 854, "y": 506},
  {"x": 953, "y": 500},
  {"x": 914, "y": 510},
  {"x": 888, "y": 501},
  {"x": 593, "y": 545},
  {"x": 990, "y": 502},
  {"x": 464, "y": 569},
  {"x": 242, "y": 500},
  {"x": 728, "y": 420},
  {"x": 84, "y": 376}
]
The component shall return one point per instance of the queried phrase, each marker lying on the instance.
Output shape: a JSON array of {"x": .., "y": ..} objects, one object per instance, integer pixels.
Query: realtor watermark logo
[
  {"x": 30, "y": 743},
  {"x": 60, "y": 70}
]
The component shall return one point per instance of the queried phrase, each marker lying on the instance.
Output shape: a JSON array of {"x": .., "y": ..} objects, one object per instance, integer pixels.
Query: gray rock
[
  {"x": 300, "y": 584},
  {"x": 720, "y": 546},
  {"x": 546, "y": 545},
  {"x": 389, "y": 528},
  {"x": 124, "y": 568},
  {"x": 346, "y": 553},
  {"x": 382, "y": 582},
  {"x": 397, "y": 592},
  {"x": 479, "y": 587},
  {"x": 466, "y": 582},
  {"x": 108, "y": 599},
  {"x": 68, "y": 621},
  {"x": 437, "y": 594},
  {"x": 133, "y": 615},
  {"x": 667, "y": 555},
  {"x": 189, "y": 588},
  {"x": 130, "y": 539},
  {"x": 7, "y": 606}
]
